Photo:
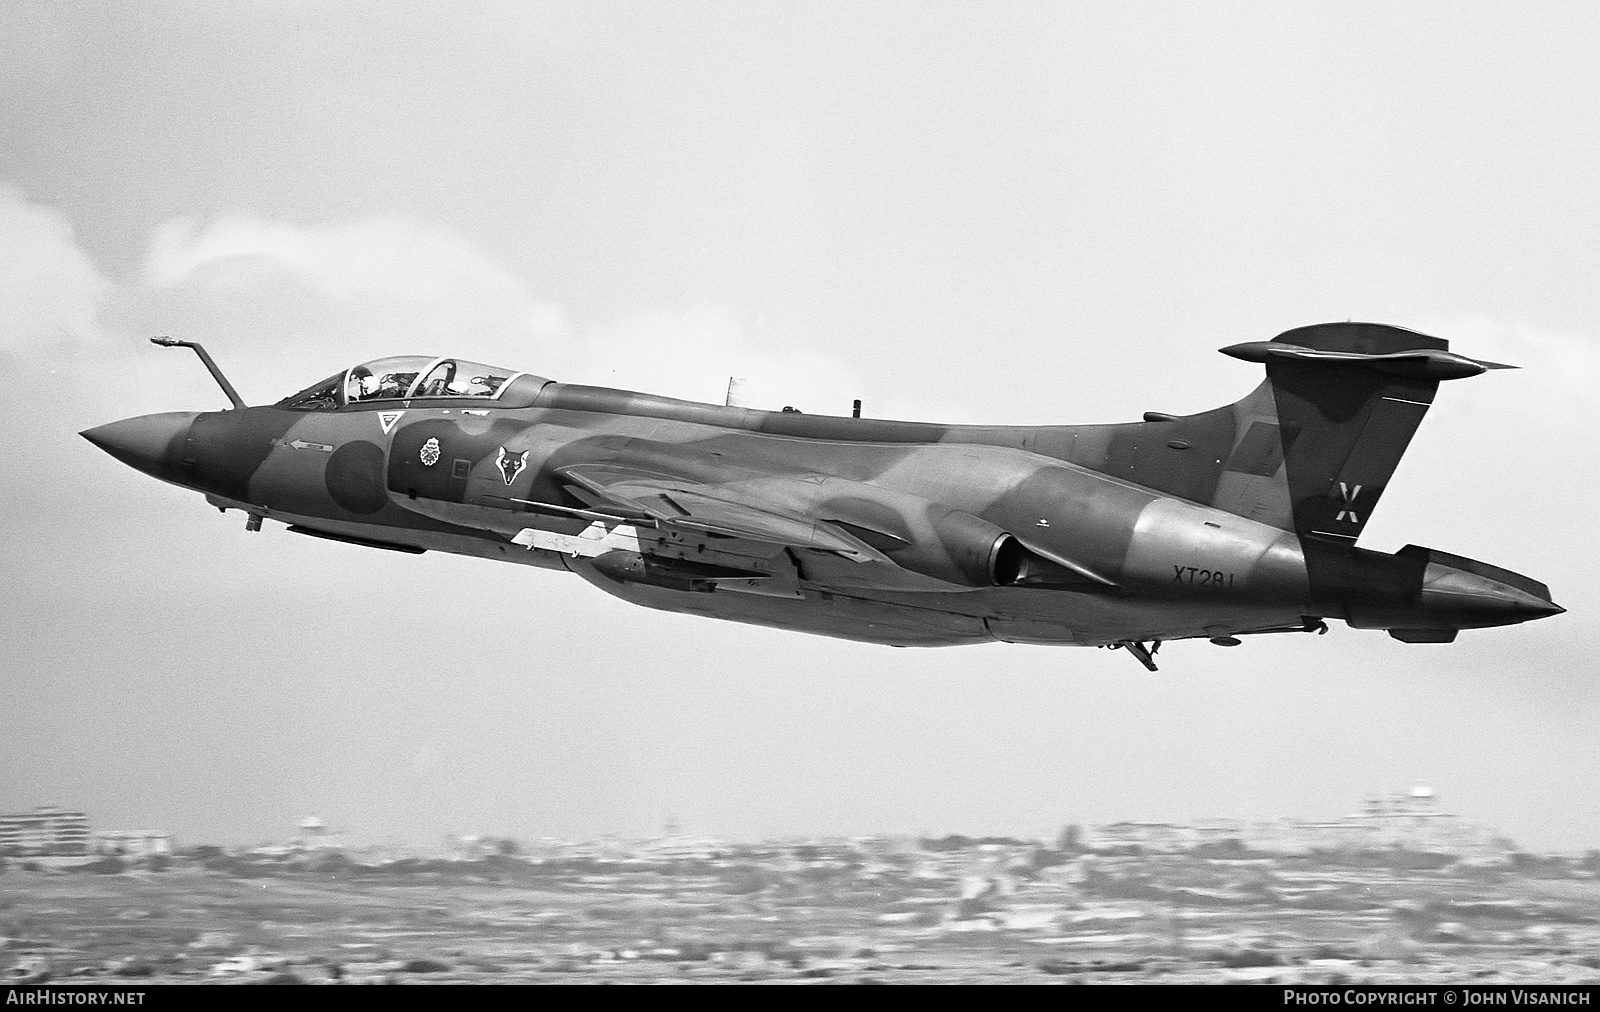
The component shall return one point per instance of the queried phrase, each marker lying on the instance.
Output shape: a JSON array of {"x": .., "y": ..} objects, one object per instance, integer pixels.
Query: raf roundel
[{"x": 429, "y": 454}]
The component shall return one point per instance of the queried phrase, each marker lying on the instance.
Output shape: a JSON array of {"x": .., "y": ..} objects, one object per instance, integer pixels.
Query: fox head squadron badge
[{"x": 511, "y": 465}]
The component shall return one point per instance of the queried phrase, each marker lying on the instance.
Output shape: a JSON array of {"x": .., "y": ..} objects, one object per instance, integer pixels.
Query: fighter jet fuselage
[{"x": 1236, "y": 521}]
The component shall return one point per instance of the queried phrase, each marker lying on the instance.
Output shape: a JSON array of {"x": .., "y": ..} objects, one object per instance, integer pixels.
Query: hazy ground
[{"x": 987, "y": 915}]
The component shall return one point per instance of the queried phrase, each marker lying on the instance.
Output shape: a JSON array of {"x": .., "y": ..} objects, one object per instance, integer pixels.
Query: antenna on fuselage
[{"x": 736, "y": 392}]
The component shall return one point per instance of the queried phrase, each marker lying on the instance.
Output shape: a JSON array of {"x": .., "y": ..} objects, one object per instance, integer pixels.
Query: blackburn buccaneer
[{"x": 1231, "y": 522}]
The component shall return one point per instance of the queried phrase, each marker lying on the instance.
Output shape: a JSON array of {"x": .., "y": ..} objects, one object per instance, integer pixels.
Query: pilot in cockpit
[
  {"x": 394, "y": 384},
  {"x": 361, "y": 384},
  {"x": 397, "y": 379}
]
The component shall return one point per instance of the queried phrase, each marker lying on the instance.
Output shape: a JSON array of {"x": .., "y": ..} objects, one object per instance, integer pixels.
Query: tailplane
[
  {"x": 1311, "y": 450},
  {"x": 1346, "y": 400}
]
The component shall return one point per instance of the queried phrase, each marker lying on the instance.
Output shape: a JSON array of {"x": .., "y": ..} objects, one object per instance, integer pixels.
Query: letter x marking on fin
[{"x": 1349, "y": 496}]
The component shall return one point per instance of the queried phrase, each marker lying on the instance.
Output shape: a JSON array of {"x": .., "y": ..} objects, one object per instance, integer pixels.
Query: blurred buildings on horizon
[{"x": 1409, "y": 821}]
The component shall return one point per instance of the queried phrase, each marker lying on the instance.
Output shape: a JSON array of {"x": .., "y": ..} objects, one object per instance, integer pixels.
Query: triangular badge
[{"x": 387, "y": 419}]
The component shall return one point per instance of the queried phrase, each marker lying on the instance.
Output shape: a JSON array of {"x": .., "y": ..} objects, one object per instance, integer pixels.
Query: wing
[{"x": 687, "y": 505}]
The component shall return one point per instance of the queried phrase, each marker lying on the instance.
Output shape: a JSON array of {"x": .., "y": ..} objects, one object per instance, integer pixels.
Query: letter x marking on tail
[{"x": 1348, "y": 494}]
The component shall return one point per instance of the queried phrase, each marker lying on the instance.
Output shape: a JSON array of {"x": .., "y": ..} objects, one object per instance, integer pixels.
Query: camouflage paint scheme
[{"x": 1234, "y": 521}]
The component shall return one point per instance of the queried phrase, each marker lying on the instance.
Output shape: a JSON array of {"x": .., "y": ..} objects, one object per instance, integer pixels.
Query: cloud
[
  {"x": 52, "y": 291},
  {"x": 280, "y": 304},
  {"x": 384, "y": 285},
  {"x": 692, "y": 354},
  {"x": 341, "y": 291},
  {"x": 380, "y": 286},
  {"x": 265, "y": 294},
  {"x": 390, "y": 255}
]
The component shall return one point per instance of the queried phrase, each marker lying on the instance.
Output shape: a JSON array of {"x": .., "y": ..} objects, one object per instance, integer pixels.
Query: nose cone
[{"x": 149, "y": 443}]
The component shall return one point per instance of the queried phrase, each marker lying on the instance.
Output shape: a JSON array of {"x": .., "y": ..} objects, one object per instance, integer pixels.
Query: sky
[{"x": 1016, "y": 213}]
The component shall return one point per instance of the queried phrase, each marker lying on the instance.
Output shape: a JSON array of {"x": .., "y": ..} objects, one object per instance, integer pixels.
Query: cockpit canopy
[{"x": 407, "y": 377}]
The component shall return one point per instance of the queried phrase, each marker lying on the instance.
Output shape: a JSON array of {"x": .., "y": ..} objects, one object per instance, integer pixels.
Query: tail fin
[{"x": 1316, "y": 443}]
